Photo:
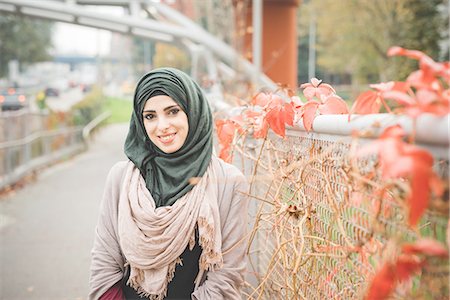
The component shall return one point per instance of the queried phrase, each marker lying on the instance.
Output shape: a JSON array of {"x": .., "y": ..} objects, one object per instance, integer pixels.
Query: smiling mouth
[{"x": 168, "y": 138}]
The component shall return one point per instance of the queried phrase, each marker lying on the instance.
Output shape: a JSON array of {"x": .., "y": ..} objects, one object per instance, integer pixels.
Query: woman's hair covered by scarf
[{"x": 167, "y": 174}]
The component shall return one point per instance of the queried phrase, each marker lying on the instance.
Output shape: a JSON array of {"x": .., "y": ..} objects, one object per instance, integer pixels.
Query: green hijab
[{"x": 167, "y": 174}]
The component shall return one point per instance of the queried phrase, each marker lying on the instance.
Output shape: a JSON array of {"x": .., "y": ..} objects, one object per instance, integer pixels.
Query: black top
[{"x": 182, "y": 285}]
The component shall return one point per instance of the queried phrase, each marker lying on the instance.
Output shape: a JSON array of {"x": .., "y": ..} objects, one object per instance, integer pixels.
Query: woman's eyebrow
[
  {"x": 165, "y": 109},
  {"x": 170, "y": 107}
]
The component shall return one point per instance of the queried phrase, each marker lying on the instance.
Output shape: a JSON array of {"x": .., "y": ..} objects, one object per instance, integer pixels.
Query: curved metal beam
[{"x": 72, "y": 13}]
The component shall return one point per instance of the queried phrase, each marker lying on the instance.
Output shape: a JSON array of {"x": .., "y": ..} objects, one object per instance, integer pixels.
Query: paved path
[
  {"x": 47, "y": 228},
  {"x": 66, "y": 100}
]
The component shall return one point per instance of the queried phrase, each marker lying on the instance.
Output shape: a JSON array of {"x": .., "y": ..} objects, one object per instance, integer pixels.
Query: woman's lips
[{"x": 167, "y": 138}]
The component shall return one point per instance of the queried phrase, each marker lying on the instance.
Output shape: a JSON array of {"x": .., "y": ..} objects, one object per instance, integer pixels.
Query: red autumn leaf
[
  {"x": 399, "y": 97},
  {"x": 419, "y": 172},
  {"x": 382, "y": 86},
  {"x": 256, "y": 120},
  {"x": 428, "y": 101},
  {"x": 419, "y": 196},
  {"x": 285, "y": 89},
  {"x": 288, "y": 114},
  {"x": 423, "y": 101},
  {"x": 367, "y": 103},
  {"x": 399, "y": 51},
  {"x": 333, "y": 105},
  {"x": 239, "y": 123},
  {"x": 425, "y": 62},
  {"x": 261, "y": 131},
  {"x": 391, "y": 86},
  {"x": 426, "y": 97},
  {"x": 423, "y": 80},
  {"x": 426, "y": 77},
  {"x": 309, "y": 113},
  {"x": 225, "y": 154},
  {"x": 276, "y": 123},
  {"x": 445, "y": 73},
  {"x": 417, "y": 165},
  {"x": 317, "y": 89},
  {"x": 370, "y": 102},
  {"x": 429, "y": 95},
  {"x": 276, "y": 114},
  {"x": 275, "y": 100},
  {"x": 406, "y": 266},
  {"x": 427, "y": 247},
  {"x": 382, "y": 284},
  {"x": 297, "y": 102},
  {"x": 402, "y": 160},
  {"x": 225, "y": 131},
  {"x": 390, "y": 274},
  {"x": 261, "y": 99},
  {"x": 280, "y": 115},
  {"x": 261, "y": 127}
]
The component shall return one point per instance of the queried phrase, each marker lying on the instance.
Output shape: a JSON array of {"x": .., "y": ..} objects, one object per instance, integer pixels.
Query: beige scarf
[{"x": 152, "y": 239}]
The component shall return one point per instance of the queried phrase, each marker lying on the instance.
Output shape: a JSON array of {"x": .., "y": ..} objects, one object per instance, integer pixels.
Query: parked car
[
  {"x": 57, "y": 87},
  {"x": 51, "y": 92},
  {"x": 12, "y": 99}
]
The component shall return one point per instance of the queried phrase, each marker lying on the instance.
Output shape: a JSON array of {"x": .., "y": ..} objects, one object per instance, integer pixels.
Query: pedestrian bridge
[{"x": 151, "y": 20}]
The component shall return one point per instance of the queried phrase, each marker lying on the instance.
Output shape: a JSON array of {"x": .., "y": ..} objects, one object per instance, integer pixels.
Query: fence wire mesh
[{"x": 324, "y": 222}]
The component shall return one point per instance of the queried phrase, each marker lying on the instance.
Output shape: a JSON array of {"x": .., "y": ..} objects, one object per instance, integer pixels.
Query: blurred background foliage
[
  {"x": 90, "y": 107},
  {"x": 352, "y": 37},
  {"x": 169, "y": 55},
  {"x": 25, "y": 39}
]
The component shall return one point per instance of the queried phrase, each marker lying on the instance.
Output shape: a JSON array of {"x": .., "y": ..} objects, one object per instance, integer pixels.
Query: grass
[{"x": 120, "y": 109}]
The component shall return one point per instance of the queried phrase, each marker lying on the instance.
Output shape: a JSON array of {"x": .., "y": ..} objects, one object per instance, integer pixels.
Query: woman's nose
[{"x": 163, "y": 123}]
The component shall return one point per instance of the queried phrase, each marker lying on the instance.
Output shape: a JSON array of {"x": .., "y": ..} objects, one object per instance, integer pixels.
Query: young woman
[{"x": 172, "y": 219}]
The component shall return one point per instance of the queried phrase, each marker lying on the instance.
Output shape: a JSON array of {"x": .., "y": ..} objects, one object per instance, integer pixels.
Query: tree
[
  {"x": 24, "y": 39},
  {"x": 142, "y": 55},
  {"x": 354, "y": 35},
  {"x": 171, "y": 56}
]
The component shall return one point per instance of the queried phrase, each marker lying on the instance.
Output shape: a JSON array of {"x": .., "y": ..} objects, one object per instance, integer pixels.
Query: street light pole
[
  {"x": 257, "y": 11},
  {"x": 312, "y": 47}
]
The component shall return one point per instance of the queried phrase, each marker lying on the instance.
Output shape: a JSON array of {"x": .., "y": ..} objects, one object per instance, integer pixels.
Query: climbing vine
[{"x": 353, "y": 219}]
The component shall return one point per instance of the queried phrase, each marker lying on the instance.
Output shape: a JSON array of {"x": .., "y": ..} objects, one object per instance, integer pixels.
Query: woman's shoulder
[
  {"x": 228, "y": 171},
  {"x": 118, "y": 170},
  {"x": 227, "y": 168}
]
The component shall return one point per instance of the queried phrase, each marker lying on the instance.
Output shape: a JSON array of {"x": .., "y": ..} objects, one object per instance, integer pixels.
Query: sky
[{"x": 81, "y": 40}]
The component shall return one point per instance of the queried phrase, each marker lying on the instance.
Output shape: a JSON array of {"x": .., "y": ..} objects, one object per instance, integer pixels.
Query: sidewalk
[{"x": 47, "y": 228}]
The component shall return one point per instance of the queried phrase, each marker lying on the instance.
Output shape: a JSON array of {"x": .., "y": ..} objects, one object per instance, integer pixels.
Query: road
[
  {"x": 66, "y": 100},
  {"x": 47, "y": 228}
]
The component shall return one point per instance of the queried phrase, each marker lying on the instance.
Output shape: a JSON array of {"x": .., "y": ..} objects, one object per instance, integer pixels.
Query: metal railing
[{"x": 27, "y": 146}]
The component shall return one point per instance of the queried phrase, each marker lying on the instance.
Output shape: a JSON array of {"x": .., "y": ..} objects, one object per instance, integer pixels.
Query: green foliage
[
  {"x": 119, "y": 108},
  {"x": 170, "y": 56},
  {"x": 24, "y": 39},
  {"x": 90, "y": 107},
  {"x": 353, "y": 36}
]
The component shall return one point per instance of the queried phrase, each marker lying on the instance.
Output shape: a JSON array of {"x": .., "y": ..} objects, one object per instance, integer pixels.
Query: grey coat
[{"x": 107, "y": 265}]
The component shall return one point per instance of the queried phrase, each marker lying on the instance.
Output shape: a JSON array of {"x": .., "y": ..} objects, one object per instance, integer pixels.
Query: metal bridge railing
[{"x": 27, "y": 146}]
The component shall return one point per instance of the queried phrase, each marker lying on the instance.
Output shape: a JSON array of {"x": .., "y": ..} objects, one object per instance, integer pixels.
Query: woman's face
[{"x": 166, "y": 123}]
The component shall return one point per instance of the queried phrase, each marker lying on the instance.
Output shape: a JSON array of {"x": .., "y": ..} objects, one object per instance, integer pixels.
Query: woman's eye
[
  {"x": 149, "y": 117},
  {"x": 174, "y": 111}
]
